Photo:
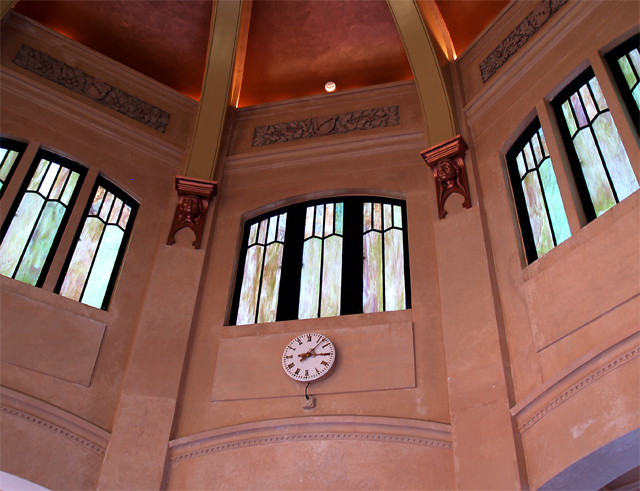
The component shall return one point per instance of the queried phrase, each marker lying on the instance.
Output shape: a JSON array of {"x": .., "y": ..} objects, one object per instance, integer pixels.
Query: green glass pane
[
  {"x": 568, "y": 116},
  {"x": 597, "y": 93},
  {"x": 59, "y": 184},
  {"x": 559, "y": 221},
  {"x": 18, "y": 233},
  {"x": 331, "y": 277},
  {"x": 3, "y": 152},
  {"x": 38, "y": 175},
  {"x": 339, "y": 217},
  {"x": 85, "y": 249},
  {"x": 594, "y": 174},
  {"x": 636, "y": 95},
  {"x": 627, "y": 71},
  {"x": 308, "y": 223},
  {"x": 373, "y": 282},
  {"x": 590, "y": 106},
  {"x": 40, "y": 243},
  {"x": 310, "y": 279},
  {"x": 7, "y": 164},
  {"x": 328, "y": 219},
  {"x": 635, "y": 59},
  {"x": 250, "y": 284},
  {"x": 270, "y": 283},
  {"x": 397, "y": 216},
  {"x": 538, "y": 218},
  {"x": 615, "y": 156},
  {"x": 69, "y": 188},
  {"x": 103, "y": 267},
  {"x": 394, "y": 290}
]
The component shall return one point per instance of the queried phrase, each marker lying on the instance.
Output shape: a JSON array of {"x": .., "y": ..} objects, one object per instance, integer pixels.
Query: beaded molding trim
[
  {"x": 311, "y": 437},
  {"x": 93, "y": 447},
  {"x": 79, "y": 82},
  {"x": 578, "y": 386},
  {"x": 326, "y": 125},
  {"x": 520, "y": 35}
]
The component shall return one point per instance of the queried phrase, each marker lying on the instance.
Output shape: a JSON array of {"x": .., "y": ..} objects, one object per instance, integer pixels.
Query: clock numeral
[
  {"x": 299, "y": 342},
  {"x": 288, "y": 356},
  {"x": 291, "y": 365},
  {"x": 317, "y": 371},
  {"x": 297, "y": 372},
  {"x": 324, "y": 363},
  {"x": 306, "y": 373},
  {"x": 308, "y": 338}
]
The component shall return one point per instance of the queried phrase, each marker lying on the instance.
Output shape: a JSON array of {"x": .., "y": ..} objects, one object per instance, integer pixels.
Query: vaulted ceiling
[{"x": 293, "y": 47}]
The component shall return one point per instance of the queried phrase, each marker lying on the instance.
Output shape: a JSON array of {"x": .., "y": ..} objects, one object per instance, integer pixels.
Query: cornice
[
  {"x": 53, "y": 419},
  {"x": 319, "y": 428}
]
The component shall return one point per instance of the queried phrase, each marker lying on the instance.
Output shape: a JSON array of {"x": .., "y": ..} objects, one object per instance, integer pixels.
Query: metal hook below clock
[{"x": 310, "y": 402}]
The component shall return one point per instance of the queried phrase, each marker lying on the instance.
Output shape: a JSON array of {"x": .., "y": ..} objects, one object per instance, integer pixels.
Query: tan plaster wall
[
  {"x": 80, "y": 375},
  {"x": 220, "y": 392},
  {"x": 580, "y": 299}
]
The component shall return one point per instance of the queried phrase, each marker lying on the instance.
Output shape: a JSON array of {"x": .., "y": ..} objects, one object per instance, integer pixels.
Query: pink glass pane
[
  {"x": 373, "y": 284},
  {"x": 592, "y": 110},
  {"x": 115, "y": 212},
  {"x": 270, "y": 283},
  {"x": 537, "y": 214},
  {"x": 82, "y": 258},
  {"x": 331, "y": 277},
  {"x": 262, "y": 234},
  {"x": 106, "y": 206},
  {"x": 577, "y": 107},
  {"x": 568, "y": 116},
  {"x": 394, "y": 288},
  {"x": 59, "y": 184},
  {"x": 253, "y": 234},
  {"x": 366, "y": 209},
  {"x": 310, "y": 279},
  {"x": 124, "y": 217},
  {"x": 97, "y": 200},
  {"x": 308, "y": 223},
  {"x": 531, "y": 164},
  {"x": 602, "y": 103},
  {"x": 328, "y": 220},
  {"x": 377, "y": 216},
  {"x": 250, "y": 285}
]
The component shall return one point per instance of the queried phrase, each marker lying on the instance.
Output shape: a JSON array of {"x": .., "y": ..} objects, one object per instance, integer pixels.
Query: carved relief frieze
[
  {"x": 101, "y": 92},
  {"x": 193, "y": 201},
  {"x": 326, "y": 125},
  {"x": 519, "y": 36},
  {"x": 446, "y": 161}
]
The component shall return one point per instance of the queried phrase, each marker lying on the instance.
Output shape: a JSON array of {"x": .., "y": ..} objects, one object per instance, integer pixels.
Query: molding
[
  {"x": 367, "y": 119},
  {"x": 518, "y": 37},
  {"x": 92, "y": 88},
  {"x": 141, "y": 139},
  {"x": 53, "y": 419},
  {"x": 537, "y": 406},
  {"x": 317, "y": 428}
]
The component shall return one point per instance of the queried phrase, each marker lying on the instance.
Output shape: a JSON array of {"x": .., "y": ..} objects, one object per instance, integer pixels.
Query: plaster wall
[{"x": 567, "y": 310}]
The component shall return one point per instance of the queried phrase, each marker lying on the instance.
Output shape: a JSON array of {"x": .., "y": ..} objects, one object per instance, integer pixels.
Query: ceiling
[{"x": 293, "y": 48}]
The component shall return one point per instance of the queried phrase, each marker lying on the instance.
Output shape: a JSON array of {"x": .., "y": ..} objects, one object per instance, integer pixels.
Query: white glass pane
[
  {"x": 373, "y": 284},
  {"x": 331, "y": 277},
  {"x": 310, "y": 279},
  {"x": 250, "y": 285},
  {"x": 394, "y": 288},
  {"x": 103, "y": 266},
  {"x": 270, "y": 283}
]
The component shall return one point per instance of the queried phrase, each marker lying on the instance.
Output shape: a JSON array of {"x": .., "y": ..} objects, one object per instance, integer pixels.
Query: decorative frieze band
[
  {"x": 578, "y": 386},
  {"x": 311, "y": 437},
  {"x": 76, "y": 80},
  {"x": 326, "y": 125},
  {"x": 520, "y": 35},
  {"x": 93, "y": 447}
]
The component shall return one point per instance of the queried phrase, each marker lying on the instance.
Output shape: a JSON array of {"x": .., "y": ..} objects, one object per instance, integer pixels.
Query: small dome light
[{"x": 330, "y": 86}]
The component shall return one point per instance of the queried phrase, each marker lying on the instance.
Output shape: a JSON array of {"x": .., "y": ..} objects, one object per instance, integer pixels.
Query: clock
[{"x": 308, "y": 357}]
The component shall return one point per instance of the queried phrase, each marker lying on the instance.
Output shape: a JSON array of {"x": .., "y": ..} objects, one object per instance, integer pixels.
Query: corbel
[
  {"x": 446, "y": 161},
  {"x": 194, "y": 196}
]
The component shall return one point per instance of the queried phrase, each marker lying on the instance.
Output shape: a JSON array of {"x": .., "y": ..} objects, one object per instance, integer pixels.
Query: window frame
[
  {"x": 352, "y": 256},
  {"x": 15, "y": 146},
  {"x": 109, "y": 187},
  {"x": 43, "y": 154},
  {"x": 612, "y": 58}
]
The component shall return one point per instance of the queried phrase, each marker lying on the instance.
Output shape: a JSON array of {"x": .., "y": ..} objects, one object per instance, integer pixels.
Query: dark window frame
[
  {"x": 16, "y": 146},
  {"x": 612, "y": 58},
  {"x": 74, "y": 166},
  {"x": 110, "y": 187},
  {"x": 352, "y": 256}
]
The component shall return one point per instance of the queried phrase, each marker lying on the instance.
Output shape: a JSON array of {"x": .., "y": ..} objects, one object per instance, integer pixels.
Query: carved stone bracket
[
  {"x": 191, "y": 211},
  {"x": 446, "y": 160}
]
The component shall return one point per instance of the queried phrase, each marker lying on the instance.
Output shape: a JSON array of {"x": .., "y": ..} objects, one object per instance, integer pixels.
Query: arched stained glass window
[
  {"x": 10, "y": 154},
  {"x": 37, "y": 219},
  {"x": 336, "y": 256},
  {"x": 91, "y": 269},
  {"x": 543, "y": 221},
  {"x": 625, "y": 66},
  {"x": 599, "y": 161}
]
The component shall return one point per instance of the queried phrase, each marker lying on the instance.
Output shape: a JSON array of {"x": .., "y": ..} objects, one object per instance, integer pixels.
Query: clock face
[{"x": 308, "y": 357}]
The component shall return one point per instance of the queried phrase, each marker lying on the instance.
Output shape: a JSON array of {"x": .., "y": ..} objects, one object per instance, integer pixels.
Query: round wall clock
[{"x": 308, "y": 357}]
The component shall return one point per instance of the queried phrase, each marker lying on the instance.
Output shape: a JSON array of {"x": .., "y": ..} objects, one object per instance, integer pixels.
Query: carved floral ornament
[
  {"x": 194, "y": 196},
  {"x": 446, "y": 161}
]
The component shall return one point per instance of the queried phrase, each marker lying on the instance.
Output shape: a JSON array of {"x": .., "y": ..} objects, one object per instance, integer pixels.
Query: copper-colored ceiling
[{"x": 294, "y": 46}]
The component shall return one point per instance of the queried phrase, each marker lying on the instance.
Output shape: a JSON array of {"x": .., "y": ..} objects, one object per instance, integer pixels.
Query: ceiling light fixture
[{"x": 330, "y": 86}]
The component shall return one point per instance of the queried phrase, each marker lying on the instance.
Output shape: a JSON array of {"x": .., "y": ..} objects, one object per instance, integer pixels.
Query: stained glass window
[
  {"x": 10, "y": 153},
  {"x": 36, "y": 221},
  {"x": 92, "y": 266},
  {"x": 625, "y": 66},
  {"x": 323, "y": 261},
  {"x": 543, "y": 221},
  {"x": 600, "y": 163}
]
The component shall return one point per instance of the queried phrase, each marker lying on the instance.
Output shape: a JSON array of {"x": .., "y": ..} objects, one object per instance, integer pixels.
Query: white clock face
[{"x": 308, "y": 357}]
